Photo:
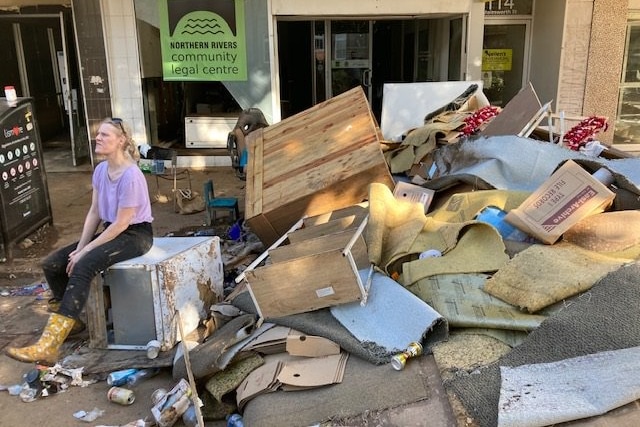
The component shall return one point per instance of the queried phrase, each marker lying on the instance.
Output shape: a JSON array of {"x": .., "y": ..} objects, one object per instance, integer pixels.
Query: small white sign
[{"x": 325, "y": 292}]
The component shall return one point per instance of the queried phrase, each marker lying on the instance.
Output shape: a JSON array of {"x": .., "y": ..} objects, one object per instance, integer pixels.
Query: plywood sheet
[{"x": 335, "y": 241}]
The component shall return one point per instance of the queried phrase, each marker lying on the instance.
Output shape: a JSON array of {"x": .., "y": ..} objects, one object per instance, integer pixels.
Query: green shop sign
[{"x": 203, "y": 40}]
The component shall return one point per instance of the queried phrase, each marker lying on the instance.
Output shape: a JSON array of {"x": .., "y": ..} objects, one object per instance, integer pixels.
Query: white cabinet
[
  {"x": 208, "y": 131},
  {"x": 178, "y": 274}
]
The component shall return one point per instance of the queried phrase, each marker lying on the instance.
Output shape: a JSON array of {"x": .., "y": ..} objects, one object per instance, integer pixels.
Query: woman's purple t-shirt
[{"x": 128, "y": 191}]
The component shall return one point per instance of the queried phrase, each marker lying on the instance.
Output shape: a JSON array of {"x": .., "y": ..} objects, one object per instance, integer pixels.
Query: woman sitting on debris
[{"x": 120, "y": 202}]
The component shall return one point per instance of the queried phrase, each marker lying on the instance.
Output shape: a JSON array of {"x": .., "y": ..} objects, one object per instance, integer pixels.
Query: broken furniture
[
  {"x": 159, "y": 171},
  {"x": 316, "y": 161},
  {"x": 136, "y": 301},
  {"x": 318, "y": 267},
  {"x": 213, "y": 204}
]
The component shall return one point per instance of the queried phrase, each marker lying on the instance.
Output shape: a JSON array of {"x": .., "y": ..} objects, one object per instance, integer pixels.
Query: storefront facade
[{"x": 577, "y": 54}]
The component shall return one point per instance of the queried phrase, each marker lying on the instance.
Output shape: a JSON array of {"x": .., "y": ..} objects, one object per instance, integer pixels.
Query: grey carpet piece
[
  {"x": 392, "y": 317},
  {"x": 604, "y": 318},
  {"x": 549, "y": 393},
  {"x": 515, "y": 163},
  {"x": 323, "y": 324},
  {"x": 505, "y": 162},
  {"x": 364, "y": 387}
]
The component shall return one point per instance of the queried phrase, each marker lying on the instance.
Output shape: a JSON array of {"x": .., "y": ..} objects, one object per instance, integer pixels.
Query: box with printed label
[{"x": 567, "y": 196}]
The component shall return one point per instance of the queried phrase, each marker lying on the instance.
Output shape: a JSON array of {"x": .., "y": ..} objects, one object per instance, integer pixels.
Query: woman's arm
[
  {"x": 91, "y": 223},
  {"x": 122, "y": 222}
]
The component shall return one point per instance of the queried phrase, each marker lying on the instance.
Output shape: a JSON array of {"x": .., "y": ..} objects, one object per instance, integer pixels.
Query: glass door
[
  {"x": 505, "y": 59},
  {"x": 350, "y": 53}
]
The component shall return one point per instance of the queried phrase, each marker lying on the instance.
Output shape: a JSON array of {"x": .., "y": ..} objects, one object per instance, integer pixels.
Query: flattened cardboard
[
  {"x": 310, "y": 346},
  {"x": 271, "y": 341},
  {"x": 313, "y": 372},
  {"x": 263, "y": 379},
  {"x": 567, "y": 196}
]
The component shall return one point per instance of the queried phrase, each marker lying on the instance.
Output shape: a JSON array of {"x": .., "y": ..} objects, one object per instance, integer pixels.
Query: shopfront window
[
  {"x": 627, "y": 125},
  {"x": 504, "y": 60}
]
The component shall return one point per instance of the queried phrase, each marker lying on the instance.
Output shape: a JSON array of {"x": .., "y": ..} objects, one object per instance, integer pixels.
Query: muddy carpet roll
[{"x": 601, "y": 319}]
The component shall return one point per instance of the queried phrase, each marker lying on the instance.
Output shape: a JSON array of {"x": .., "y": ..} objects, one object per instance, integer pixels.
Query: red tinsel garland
[
  {"x": 584, "y": 132},
  {"x": 474, "y": 121}
]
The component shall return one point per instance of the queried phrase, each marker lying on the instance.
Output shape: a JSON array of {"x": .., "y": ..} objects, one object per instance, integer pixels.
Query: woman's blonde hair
[{"x": 130, "y": 147}]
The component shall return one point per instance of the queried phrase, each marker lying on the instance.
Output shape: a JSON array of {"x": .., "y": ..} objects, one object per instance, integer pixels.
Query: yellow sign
[{"x": 497, "y": 59}]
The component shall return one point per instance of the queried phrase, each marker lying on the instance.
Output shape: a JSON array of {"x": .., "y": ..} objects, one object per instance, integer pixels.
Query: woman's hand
[{"x": 74, "y": 257}]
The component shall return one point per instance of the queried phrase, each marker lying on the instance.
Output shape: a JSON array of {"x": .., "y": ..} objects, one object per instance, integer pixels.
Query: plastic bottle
[
  {"x": 10, "y": 95},
  {"x": 131, "y": 376},
  {"x": 235, "y": 420},
  {"x": 118, "y": 378},
  {"x": 189, "y": 417},
  {"x": 494, "y": 216},
  {"x": 141, "y": 375}
]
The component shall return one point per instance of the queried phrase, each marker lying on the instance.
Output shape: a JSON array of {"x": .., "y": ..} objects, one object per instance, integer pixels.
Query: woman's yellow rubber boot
[{"x": 47, "y": 348}]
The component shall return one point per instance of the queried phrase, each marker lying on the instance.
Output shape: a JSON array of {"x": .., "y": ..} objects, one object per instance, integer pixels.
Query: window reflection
[{"x": 627, "y": 125}]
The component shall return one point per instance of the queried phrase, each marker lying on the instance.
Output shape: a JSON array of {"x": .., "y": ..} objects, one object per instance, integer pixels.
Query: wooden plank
[
  {"x": 515, "y": 115},
  {"x": 96, "y": 318},
  {"x": 360, "y": 211},
  {"x": 340, "y": 224},
  {"x": 334, "y": 241},
  {"x": 299, "y": 285},
  {"x": 264, "y": 254},
  {"x": 253, "y": 192},
  {"x": 316, "y": 175}
]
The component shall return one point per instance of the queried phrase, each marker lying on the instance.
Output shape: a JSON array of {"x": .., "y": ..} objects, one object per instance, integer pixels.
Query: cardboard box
[
  {"x": 414, "y": 193},
  {"x": 314, "y": 162},
  {"x": 569, "y": 195}
]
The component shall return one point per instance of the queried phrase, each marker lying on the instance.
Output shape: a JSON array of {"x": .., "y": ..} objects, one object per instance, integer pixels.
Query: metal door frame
[
  {"x": 329, "y": 51},
  {"x": 526, "y": 57},
  {"x": 17, "y": 32}
]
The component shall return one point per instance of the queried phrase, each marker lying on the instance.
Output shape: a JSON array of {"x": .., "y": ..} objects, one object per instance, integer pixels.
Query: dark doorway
[
  {"x": 402, "y": 51},
  {"x": 34, "y": 48}
]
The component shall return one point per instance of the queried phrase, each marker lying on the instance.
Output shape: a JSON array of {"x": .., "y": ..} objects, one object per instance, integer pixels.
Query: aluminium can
[{"x": 120, "y": 395}]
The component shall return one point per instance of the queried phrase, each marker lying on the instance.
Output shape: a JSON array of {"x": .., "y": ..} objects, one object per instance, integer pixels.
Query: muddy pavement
[{"x": 22, "y": 317}]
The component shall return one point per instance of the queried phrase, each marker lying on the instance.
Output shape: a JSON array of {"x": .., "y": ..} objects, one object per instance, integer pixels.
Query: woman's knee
[{"x": 54, "y": 263}]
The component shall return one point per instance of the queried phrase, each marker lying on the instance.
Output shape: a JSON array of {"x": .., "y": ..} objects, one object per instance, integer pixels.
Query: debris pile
[{"x": 459, "y": 231}]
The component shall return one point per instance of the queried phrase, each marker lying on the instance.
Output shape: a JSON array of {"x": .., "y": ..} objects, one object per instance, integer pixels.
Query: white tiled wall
[{"x": 124, "y": 65}]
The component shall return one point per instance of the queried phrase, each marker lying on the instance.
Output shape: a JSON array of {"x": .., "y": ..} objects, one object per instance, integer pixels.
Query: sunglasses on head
[{"x": 118, "y": 121}]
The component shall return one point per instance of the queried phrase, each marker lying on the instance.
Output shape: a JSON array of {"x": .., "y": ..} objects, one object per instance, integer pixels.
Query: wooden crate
[
  {"x": 316, "y": 161},
  {"x": 317, "y": 269}
]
